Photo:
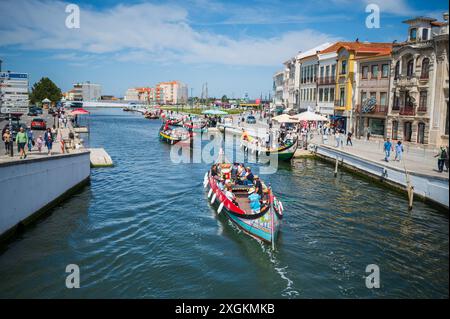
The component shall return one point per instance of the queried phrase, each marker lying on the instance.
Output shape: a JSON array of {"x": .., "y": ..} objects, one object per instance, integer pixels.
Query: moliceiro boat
[
  {"x": 237, "y": 202},
  {"x": 284, "y": 151},
  {"x": 173, "y": 136}
]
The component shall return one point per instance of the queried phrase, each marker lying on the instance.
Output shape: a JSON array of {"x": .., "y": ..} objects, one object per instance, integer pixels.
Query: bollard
[{"x": 336, "y": 167}]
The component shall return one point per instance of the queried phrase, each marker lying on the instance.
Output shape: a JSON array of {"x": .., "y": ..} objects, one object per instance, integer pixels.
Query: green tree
[
  {"x": 224, "y": 99},
  {"x": 45, "y": 88}
]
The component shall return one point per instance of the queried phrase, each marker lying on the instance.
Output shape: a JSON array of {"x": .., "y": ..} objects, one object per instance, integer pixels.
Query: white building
[
  {"x": 326, "y": 80},
  {"x": 289, "y": 92},
  {"x": 278, "y": 82},
  {"x": 173, "y": 92},
  {"x": 132, "y": 94},
  {"x": 14, "y": 89},
  {"x": 308, "y": 65},
  {"x": 86, "y": 91}
]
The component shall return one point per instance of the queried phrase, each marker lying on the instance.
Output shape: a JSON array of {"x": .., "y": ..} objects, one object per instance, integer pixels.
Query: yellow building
[{"x": 346, "y": 79}]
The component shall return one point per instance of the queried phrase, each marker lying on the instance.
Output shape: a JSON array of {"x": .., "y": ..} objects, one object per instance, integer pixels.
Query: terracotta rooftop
[
  {"x": 377, "y": 48},
  {"x": 438, "y": 23}
]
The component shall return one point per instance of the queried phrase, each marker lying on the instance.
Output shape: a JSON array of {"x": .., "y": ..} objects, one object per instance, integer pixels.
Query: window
[
  {"x": 423, "y": 100},
  {"x": 374, "y": 71},
  {"x": 342, "y": 97},
  {"x": 315, "y": 95},
  {"x": 384, "y": 70},
  {"x": 344, "y": 67},
  {"x": 413, "y": 34},
  {"x": 425, "y": 68},
  {"x": 333, "y": 71},
  {"x": 376, "y": 126},
  {"x": 407, "y": 131},
  {"x": 397, "y": 70},
  {"x": 424, "y": 34},
  {"x": 321, "y": 71},
  {"x": 331, "y": 94},
  {"x": 365, "y": 72},
  {"x": 363, "y": 97},
  {"x": 383, "y": 98},
  {"x": 421, "y": 133},
  {"x": 410, "y": 68},
  {"x": 326, "y": 94},
  {"x": 396, "y": 102},
  {"x": 320, "y": 95},
  {"x": 327, "y": 71},
  {"x": 394, "y": 130}
]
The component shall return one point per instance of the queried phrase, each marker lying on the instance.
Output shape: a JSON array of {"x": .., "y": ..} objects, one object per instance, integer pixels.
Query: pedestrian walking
[
  {"x": 48, "y": 139},
  {"x": 349, "y": 139},
  {"x": 6, "y": 137},
  {"x": 337, "y": 136},
  {"x": 398, "y": 151},
  {"x": 22, "y": 140},
  {"x": 442, "y": 156},
  {"x": 368, "y": 133},
  {"x": 387, "y": 149},
  {"x": 39, "y": 143},
  {"x": 30, "y": 139}
]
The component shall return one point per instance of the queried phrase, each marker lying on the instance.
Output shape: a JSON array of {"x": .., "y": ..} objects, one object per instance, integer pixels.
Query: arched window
[
  {"x": 421, "y": 133},
  {"x": 397, "y": 70},
  {"x": 410, "y": 68},
  {"x": 425, "y": 68}
]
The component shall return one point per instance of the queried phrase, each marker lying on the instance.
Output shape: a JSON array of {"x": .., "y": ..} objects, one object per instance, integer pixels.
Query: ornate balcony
[
  {"x": 326, "y": 80},
  {"x": 422, "y": 109},
  {"x": 378, "y": 110},
  {"x": 407, "y": 111}
]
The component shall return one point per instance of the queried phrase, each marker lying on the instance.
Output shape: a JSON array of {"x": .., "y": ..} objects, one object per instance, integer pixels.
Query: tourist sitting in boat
[
  {"x": 254, "y": 199},
  {"x": 229, "y": 193},
  {"x": 248, "y": 177},
  {"x": 221, "y": 184},
  {"x": 258, "y": 186},
  {"x": 234, "y": 170},
  {"x": 289, "y": 139}
]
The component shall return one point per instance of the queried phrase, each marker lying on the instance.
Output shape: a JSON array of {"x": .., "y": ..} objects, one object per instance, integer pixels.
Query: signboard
[
  {"x": 14, "y": 109},
  {"x": 368, "y": 105},
  {"x": 13, "y": 75}
]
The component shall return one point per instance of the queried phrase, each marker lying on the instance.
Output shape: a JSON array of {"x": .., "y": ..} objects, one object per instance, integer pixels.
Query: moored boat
[
  {"x": 173, "y": 136},
  {"x": 233, "y": 201},
  {"x": 284, "y": 151}
]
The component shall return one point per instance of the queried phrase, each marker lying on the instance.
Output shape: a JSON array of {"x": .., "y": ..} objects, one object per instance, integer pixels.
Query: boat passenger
[
  {"x": 258, "y": 186},
  {"x": 254, "y": 198},
  {"x": 234, "y": 170},
  {"x": 229, "y": 193},
  {"x": 248, "y": 179},
  {"x": 221, "y": 184}
]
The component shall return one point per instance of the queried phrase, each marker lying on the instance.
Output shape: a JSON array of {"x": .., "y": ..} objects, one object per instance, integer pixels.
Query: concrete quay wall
[{"x": 32, "y": 186}]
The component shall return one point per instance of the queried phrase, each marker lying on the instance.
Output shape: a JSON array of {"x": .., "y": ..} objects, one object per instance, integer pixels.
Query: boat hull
[
  {"x": 283, "y": 153},
  {"x": 260, "y": 227}
]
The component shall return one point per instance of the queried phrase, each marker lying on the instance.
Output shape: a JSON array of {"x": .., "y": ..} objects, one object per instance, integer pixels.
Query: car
[
  {"x": 38, "y": 124},
  {"x": 251, "y": 119},
  {"x": 32, "y": 112}
]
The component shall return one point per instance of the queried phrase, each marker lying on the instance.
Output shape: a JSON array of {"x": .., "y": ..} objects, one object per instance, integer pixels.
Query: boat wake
[{"x": 289, "y": 291}]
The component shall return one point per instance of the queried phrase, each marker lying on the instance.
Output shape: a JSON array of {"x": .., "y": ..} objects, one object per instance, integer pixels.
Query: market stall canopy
[
  {"x": 46, "y": 100},
  {"x": 79, "y": 111},
  {"x": 310, "y": 116},
  {"x": 284, "y": 118},
  {"x": 214, "y": 112}
]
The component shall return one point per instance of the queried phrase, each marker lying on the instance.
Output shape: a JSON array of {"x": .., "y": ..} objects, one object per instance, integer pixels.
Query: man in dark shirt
[{"x": 258, "y": 185}]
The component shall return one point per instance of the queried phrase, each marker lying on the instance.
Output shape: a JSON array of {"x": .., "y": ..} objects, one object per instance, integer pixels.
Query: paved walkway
[{"x": 416, "y": 159}]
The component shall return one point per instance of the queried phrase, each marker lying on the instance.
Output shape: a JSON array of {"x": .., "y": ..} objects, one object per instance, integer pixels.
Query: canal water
[{"x": 143, "y": 229}]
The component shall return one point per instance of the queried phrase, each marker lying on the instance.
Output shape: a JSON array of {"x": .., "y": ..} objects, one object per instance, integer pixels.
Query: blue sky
[{"x": 235, "y": 46}]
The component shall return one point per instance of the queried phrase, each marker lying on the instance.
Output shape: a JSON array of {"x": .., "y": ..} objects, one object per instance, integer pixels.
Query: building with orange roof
[
  {"x": 419, "y": 83},
  {"x": 172, "y": 92},
  {"x": 346, "y": 78},
  {"x": 326, "y": 79}
]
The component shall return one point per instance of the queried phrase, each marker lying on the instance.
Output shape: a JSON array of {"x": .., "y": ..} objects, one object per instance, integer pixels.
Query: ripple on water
[{"x": 143, "y": 228}]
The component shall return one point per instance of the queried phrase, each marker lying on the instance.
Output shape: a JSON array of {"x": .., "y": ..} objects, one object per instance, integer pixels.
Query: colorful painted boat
[
  {"x": 172, "y": 136},
  {"x": 264, "y": 225},
  {"x": 284, "y": 152},
  {"x": 197, "y": 127}
]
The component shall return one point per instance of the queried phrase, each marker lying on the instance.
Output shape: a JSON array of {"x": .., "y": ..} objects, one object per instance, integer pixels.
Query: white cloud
[{"x": 143, "y": 33}]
